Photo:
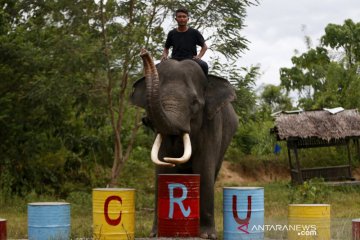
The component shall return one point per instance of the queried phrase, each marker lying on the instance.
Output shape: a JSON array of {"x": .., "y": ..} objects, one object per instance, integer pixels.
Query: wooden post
[
  {"x": 289, "y": 154},
  {"x": 349, "y": 157},
  {"x": 290, "y": 163},
  {"x": 298, "y": 163},
  {"x": 357, "y": 147}
]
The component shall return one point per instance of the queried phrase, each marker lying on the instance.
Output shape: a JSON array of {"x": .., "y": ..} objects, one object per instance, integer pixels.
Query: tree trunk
[{"x": 120, "y": 155}]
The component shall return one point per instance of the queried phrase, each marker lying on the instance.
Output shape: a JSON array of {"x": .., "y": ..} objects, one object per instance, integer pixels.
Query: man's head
[{"x": 182, "y": 16}]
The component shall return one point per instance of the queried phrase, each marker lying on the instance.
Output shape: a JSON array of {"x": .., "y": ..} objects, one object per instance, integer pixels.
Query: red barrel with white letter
[
  {"x": 2, "y": 229},
  {"x": 178, "y": 205},
  {"x": 356, "y": 229}
]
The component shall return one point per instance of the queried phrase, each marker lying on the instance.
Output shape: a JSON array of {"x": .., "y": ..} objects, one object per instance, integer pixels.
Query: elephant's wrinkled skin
[{"x": 179, "y": 99}]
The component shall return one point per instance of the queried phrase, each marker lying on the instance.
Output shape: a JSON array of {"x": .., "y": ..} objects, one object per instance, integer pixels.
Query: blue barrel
[
  {"x": 49, "y": 220},
  {"x": 243, "y": 213}
]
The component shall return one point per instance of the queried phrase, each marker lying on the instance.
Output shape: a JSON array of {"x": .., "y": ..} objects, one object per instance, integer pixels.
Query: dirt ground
[
  {"x": 232, "y": 173},
  {"x": 236, "y": 173}
]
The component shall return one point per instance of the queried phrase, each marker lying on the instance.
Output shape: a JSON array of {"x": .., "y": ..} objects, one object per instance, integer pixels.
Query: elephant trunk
[{"x": 155, "y": 108}]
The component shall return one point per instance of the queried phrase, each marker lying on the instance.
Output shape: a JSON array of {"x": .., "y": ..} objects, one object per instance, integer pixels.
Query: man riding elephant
[{"x": 184, "y": 40}]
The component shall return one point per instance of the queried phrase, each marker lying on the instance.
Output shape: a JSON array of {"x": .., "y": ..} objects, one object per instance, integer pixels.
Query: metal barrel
[
  {"x": 178, "y": 205},
  {"x": 243, "y": 213},
  {"x": 113, "y": 213},
  {"x": 49, "y": 220},
  {"x": 356, "y": 229},
  {"x": 309, "y": 221},
  {"x": 3, "y": 229}
]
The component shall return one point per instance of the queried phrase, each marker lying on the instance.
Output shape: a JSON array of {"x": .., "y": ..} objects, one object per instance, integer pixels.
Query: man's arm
[
  {"x": 202, "y": 52},
  {"x": 165, "y": 54}
]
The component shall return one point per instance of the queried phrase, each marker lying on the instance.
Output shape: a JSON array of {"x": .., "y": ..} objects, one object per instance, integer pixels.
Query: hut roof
[{"x": 320, "y": 124}]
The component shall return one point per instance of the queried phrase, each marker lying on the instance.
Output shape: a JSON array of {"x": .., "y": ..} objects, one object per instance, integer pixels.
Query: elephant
[{"x": 194, "y": 122}]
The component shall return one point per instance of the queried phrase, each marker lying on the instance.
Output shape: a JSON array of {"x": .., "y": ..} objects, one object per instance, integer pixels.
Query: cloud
[{"x": 276, "y": 28}]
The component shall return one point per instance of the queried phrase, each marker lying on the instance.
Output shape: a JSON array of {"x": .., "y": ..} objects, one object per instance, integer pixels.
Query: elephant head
[{"x": 178, "y": 99}]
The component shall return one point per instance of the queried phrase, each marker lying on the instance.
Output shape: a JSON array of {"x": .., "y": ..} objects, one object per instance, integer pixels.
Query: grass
[{"x": 344, "y": 201}]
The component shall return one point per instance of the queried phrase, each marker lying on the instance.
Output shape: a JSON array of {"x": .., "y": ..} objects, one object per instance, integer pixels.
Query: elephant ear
[
  {"x": 219, "y": 92},
  {"x": 138, "y": 96}
]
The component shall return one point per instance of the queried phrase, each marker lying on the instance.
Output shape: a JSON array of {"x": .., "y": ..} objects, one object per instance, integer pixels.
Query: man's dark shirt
[{"x": 184, "y": 43}]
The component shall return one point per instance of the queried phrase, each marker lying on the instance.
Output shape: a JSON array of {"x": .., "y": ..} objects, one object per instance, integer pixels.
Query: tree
[
  {"x": 307, "y": 76},
  {"x": 142, "y": 24},
  {"x": 67, "y": 68},
  {"x": 245, "y": 103},
  {"x": 47, "y": 70},
  {"x": 324, "y": 77},
  {"x": 274, "y": 99},
  {"x": 346, "y": 38}
]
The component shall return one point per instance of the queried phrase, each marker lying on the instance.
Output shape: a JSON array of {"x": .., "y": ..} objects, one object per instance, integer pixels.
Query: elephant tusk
[
  {"x": 155, "y": 153},
  {"x": 187, "y": 151}
]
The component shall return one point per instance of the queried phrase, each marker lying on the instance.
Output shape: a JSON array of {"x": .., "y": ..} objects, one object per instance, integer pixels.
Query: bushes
[
  {"x": 312, "y": 191},
  {"x": 252, "y": 138}
]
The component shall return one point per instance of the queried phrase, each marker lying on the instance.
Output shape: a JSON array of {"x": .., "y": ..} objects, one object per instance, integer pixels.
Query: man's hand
[
  {"x": 165, "y": 54},
  {"x": 201, "y": 53},
  {"x": 164, "y": 58}
]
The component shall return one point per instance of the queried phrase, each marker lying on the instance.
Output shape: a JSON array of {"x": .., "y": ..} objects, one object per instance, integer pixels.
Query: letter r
[{"x": 178, "y": 201}]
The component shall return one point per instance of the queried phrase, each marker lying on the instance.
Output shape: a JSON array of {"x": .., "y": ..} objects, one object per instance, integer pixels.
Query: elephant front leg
[
  {"x": 207, "y": 218},
  {"x": 154, "y": 228}
]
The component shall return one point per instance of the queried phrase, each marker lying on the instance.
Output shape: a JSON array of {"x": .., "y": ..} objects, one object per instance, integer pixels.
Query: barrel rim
[
  {"x": 3, "y": 220},
  {"x": 178, "y": 174},
  {"x": 309, "y": 205},
  {"x": 356, "y": 220},
  {"x": 243, "y": 188},
  {"x": 113, "y": 189},
  {"x": 48, "y": 203}
]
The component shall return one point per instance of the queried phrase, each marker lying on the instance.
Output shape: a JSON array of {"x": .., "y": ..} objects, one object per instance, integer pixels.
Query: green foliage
[
  {"x": 52, "y": 125},
  {"x": 345, "y": 37},
  {"x": 63, "y": 62},
  {"x": 245, "y": 102},
  {"x": 326, "y": 77},
  {"x": 66, "y": 70},
  {"x": 252, "y": 138},
  {"x": 307, "y": 75},
  {"x": 274, "y": 99},
  {"x": 311, "y": 192}
]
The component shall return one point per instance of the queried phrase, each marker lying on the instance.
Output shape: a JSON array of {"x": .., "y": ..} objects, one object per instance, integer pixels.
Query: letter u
[{"x": 235, "y": 214}]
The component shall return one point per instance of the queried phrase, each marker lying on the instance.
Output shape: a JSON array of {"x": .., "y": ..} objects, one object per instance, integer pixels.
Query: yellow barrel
[
  {"x": 309, "y": 221},
  {"x": 113, "y": 213}
]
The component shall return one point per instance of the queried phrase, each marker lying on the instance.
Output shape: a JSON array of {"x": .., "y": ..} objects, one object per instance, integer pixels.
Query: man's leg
[{"x": 203, "y": 65}]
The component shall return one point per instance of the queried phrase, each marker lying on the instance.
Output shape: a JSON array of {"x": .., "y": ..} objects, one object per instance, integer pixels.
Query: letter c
[{"x": 110, "y": 221}]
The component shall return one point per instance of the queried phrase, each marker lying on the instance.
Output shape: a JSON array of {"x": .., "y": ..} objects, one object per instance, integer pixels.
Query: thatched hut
[{"x": 320, "y": 128}]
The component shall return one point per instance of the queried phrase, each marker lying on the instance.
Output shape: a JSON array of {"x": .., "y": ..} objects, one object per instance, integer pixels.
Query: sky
[{"x": 276, "y": 28}]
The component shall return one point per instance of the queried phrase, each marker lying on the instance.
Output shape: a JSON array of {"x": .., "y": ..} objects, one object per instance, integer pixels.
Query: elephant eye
[{"x": 195, "y": 105}]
